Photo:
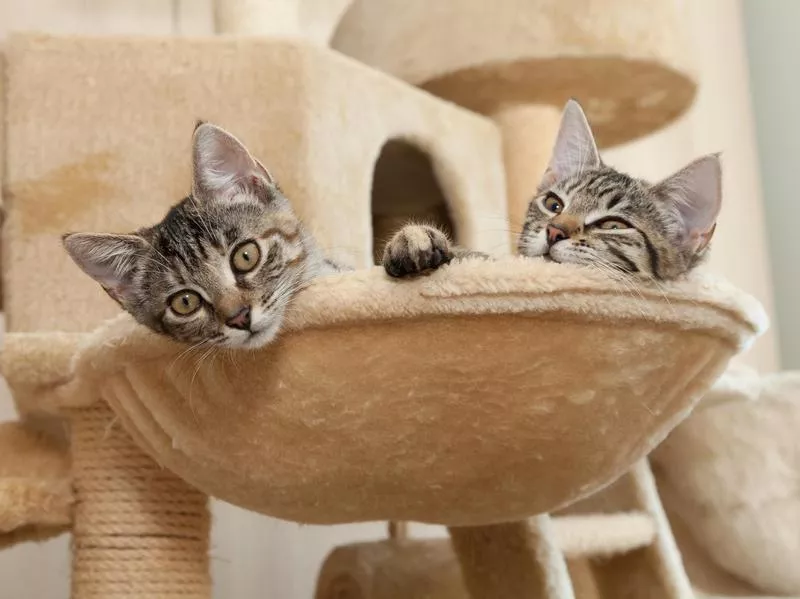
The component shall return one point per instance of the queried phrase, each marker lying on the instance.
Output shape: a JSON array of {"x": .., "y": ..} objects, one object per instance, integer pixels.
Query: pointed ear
[
  {"x": 223, "y": 166},
  {"x": 696, "y": 192},
  {"x": 575, "y": 150},
  {"x": 111, "y": 260}
]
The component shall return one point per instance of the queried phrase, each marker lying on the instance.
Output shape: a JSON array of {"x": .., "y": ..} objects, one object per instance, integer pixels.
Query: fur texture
[
  {"x": 345, "y": 402},
  {"x": 585, "y": 212},
  {"x": 224, "y": 263},
  {"x": 35, "y": 484}
]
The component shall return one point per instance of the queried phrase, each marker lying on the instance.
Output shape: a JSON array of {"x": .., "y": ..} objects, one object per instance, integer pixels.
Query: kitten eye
[
  {"x": 185, "y": 302},
  {"x": 552, "y": 203},
  {"x": 245, "y": 257},
  {"x": 613, "y": 224}
]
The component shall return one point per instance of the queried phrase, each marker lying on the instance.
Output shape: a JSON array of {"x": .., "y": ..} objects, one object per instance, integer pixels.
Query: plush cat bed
[
  {"x": 402, "y": 400},
  {"x": 35, "y": 484}
]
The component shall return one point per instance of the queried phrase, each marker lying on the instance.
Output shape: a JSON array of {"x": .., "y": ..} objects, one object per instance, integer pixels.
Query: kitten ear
[
  {"x": 696, "y": 192},
  {"x": 575, "y": 150},
  {"x": 109, "y": 259},
  {"x": 222, "y": 165}
]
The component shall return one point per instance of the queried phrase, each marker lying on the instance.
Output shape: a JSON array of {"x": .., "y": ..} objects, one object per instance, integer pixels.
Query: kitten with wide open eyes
[
  {"x": 585, "y": 212},
  {"x": 224, "y": 263}
]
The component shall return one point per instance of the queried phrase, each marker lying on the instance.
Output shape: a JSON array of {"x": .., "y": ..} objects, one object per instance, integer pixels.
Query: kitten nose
[
  {"x": 556, "y": 233},
  {"x": 240, "y": 320}
]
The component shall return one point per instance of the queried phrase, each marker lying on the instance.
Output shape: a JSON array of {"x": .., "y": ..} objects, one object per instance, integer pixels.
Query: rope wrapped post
[
  {"x": 139, "y": 531},
  {"x": 517, "y": 560}
]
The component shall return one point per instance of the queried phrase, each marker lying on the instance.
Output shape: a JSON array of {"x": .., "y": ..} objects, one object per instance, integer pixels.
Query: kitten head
[
  {"x": 220, "y": 267},
  {"x": 585, "y": 212}
]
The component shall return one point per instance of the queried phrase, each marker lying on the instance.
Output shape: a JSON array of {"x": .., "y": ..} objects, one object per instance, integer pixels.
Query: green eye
[
  {"x": 613, "y": 224},
  {"x": 185, "y": 303},
  {"x": 245, "y": 257},
  {"x": 553, "y": 203}
]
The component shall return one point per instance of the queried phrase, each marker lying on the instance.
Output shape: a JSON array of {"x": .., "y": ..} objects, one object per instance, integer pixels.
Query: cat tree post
[
  {"x": 275, "y": 18},
  {"x": 139, "y": 531},
  {"x": 516, "y": 560},
  {"x": 528, "y": 132},
  {"x": 520, "y": 60}
]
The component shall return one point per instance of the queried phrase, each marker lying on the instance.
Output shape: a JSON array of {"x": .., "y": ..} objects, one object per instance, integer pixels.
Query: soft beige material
[
  {"x": 312, "y": 20},
  {"x": 624, "y": 60},
  {"x": 730, "y": 472},
  {"x": 35, "y": 484},
  {"x": 274, "y": 18},
  {"x": 397, "y": 400},
  {"x": 519, "y": 61},
  {"x": 612, "y": 554},
  {"x": 99, "y": 131},
  {"x": 429, "y": 569}
]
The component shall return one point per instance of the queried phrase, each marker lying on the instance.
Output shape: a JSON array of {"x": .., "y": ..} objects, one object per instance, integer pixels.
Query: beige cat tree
[{"x": 476, "y": 398}]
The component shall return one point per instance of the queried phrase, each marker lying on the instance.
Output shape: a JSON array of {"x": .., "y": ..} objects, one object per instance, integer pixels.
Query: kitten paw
[{"x": 416, "y": 249}]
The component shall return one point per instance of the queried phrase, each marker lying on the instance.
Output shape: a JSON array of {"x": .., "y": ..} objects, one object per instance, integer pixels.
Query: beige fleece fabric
[
  {"x": 98, "y": 138},
  {"x": 624, "y": 60},
  {"x": 35, "y": 484},
  {"x": 428, "y": 568},
  {"x": 399, "y": 400},
  {"x": 730, "y": 474}
]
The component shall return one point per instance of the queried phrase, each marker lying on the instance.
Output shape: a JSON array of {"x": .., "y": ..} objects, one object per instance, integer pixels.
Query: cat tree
[
  {"x": 332, "y": 424},
  {"x": 519, "y": 61}
]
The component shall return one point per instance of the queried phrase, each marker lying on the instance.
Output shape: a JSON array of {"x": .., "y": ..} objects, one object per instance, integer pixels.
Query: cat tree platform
[
  {"x": 475, "y": 398},
  {"x": 519, "y": 61}
]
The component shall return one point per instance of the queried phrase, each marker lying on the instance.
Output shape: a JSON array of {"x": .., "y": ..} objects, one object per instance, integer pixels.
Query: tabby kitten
[
  {"x": 585, "y": 212},
  {"x": 224, "y": 263}
]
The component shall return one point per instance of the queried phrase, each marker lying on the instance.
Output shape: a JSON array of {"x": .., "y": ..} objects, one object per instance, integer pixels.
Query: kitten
[
  {"x": 224, "y": 263},
  {"x": 585, "y": 212}
]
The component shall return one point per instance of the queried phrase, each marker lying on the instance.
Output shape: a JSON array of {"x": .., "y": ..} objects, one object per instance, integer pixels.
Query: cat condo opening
[{"x": 405, "y": 188}]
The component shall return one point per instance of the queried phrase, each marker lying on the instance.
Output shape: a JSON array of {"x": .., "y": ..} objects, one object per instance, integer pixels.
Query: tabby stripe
[
  {"x": 332, "y": 264},
  {"x": 596, "y": 183},
  {"x": 616, "y": 199},
  {"x": 292, "y": 236},
  {"x": 651, "y": 252},
  {"x": 629, "y": 265},
  {"x": 575, "y": 185}
]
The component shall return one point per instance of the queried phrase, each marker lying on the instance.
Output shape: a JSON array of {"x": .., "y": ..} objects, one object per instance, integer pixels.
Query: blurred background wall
[
  {"x": 773, "y": 49},
  {"x": 254, "y": 556}
]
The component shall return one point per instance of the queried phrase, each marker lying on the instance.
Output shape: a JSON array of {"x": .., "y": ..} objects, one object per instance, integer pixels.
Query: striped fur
[
  {"x": 234, "y": 201},
  {"x": 585, "y": 212},
  {"x": 650, "y": 247}
]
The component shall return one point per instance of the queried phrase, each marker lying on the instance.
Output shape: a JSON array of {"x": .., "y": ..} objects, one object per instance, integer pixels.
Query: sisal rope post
[
  {"x": 139, "y": 531},
  {"x": 517, "y": 560}
]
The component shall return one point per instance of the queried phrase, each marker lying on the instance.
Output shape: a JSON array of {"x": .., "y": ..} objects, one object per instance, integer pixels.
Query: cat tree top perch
[
  {"x": 624, "y": 60},
  {"x": 519, "y": 61}
]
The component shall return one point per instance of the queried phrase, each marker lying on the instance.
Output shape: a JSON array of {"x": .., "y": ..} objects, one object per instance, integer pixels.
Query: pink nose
[
  {"x": 240, "y": 320},
  {"x": 555, "y": 233}
]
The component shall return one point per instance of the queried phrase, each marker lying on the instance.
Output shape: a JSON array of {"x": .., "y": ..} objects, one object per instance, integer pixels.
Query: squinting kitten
[
  {"x": 585, "y": 212},
  {"x": 222, "y": 265}
]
